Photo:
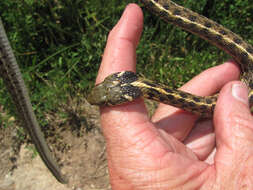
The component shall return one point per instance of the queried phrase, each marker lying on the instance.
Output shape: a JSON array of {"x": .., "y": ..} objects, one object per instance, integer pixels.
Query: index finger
[
  {"x": 120, "y": 51},
  {"x": 120, "y": 55}
]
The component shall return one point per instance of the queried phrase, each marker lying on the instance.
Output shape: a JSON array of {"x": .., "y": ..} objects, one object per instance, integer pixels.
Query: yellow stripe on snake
[{"x": 126, "y": 86}]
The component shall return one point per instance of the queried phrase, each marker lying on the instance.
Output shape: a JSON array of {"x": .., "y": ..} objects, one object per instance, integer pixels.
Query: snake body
[
  {"x": 126, "y": 86},
  {"x": 14, "y": 82}
]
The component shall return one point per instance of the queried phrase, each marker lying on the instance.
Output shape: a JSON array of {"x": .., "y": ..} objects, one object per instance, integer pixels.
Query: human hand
[{"x": 173, "y": 150}]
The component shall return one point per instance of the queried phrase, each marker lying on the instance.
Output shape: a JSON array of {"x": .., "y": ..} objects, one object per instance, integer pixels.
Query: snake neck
[{"x": 202, "y": 106}]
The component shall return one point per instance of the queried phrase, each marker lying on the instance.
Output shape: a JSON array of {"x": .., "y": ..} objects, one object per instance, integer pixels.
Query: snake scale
[{"x": 127, "y": 86}]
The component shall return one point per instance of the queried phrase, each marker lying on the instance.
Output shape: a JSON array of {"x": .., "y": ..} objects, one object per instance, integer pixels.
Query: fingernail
[{"x": 240, "y": 92}]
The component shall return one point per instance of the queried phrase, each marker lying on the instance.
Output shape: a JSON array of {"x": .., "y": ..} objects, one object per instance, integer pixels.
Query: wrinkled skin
[{"x": 172, "y": 150}]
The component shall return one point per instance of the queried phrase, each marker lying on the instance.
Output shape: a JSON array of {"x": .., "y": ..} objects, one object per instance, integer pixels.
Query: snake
[
  {"x": 126, "y": 86},
  {"x": 12, "y": 78}
]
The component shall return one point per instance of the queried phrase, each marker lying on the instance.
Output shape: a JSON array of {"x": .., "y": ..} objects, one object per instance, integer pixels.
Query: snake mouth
[{"x": 97, "y": 95}]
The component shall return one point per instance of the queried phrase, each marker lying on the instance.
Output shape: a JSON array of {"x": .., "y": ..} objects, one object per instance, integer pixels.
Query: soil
[{"x": 77, "y": 143}]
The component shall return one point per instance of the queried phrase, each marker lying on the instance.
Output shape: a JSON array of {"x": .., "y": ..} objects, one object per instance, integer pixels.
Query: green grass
[{"x": 59, "y": 44}]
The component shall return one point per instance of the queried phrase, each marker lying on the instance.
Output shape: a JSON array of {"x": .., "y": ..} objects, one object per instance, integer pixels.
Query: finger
[
  {"x": 122, "y": 124},
  {"x": 179, "y": 123},
  {"x": 234, "y": 129},
  {"x": 120, "y": 54},
  {"x": 120, "y": 51},
  {"x": 201, "y": 139}
]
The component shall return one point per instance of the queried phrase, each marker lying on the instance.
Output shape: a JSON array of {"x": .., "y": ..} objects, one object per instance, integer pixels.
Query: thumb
[{"x": 234, "y": 130}]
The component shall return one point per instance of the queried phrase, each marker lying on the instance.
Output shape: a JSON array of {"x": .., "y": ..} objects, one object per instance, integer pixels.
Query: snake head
[{"x": 115, "y": 89}]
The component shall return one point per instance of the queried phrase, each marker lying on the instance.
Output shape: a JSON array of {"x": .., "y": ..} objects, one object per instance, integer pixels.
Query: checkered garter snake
[{"x": 127, "y": 86}]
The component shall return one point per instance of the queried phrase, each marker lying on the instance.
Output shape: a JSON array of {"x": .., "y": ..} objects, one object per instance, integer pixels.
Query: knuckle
[{"x": 241, "y": 126}]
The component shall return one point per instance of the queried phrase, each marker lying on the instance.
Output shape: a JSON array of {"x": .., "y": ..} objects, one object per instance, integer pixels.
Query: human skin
[{"x": 173, "y": 149}]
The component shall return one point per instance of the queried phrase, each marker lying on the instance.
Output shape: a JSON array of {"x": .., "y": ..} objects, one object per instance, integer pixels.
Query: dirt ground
[{"x": 77, "y": 143}]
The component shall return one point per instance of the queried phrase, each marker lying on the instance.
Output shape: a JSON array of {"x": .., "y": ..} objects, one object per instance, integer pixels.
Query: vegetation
[{"x": 59, "y": 44}]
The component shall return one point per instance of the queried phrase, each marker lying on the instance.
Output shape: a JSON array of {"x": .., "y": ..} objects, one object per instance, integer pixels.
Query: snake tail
[{"x": 12, "y": 78}]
